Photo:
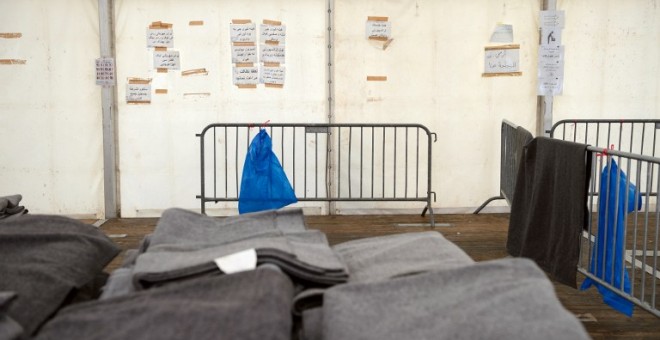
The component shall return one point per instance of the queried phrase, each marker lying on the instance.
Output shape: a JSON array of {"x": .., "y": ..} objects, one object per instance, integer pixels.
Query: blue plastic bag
[
  {"x": 608, "y": 253},
  {"x": 264, "y": 184}
]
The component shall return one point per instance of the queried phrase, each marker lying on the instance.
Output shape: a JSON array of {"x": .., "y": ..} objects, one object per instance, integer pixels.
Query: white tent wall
[
  {"x": 612, "y": 67},
  {"x": 50, "y": 131},
  {"x": 434, "y": 68},
  {"x": 158, "y": 150}
]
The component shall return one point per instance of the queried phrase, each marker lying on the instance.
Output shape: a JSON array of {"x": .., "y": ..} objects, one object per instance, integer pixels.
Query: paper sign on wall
[
  {"x": 272, "y": 54},
  {"x": 138, "y": 91},
  {"x": 105, "y": 71},
  {"x": 243, "y": 53},
  {"x": 243, "y": 32},
  {"x": 273, "y": 75},
  {"x": 166, "y": 60},
  {"x": 273, "y": 34},
  {"x": 378, "y": 28},
  {"x": 160, "y": 37},
  {"x": 550, "y": 70},
  {"x": 246, "y": 75},
  {"x": 502, "y": 60}
]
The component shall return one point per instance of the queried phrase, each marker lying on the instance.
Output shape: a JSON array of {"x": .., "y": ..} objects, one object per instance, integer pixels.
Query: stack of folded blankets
[{"x": 265, "y": 275}]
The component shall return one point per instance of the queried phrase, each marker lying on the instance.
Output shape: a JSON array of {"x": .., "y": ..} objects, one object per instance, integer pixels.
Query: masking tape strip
[
  {"x": 272, "y": 22},
  {"x": 502, "y": 47},
  {"x": 503, "y": 74},
  {"x": 376, "y": 78},
  {"x": 370, "y": 18},
  {"x": 272, "y": 64},
  {"x": 201, "y": 71},
  {"x": 11, "y": 35},
  {"x": 278, "y": 86},
  {"x": 244, "y": 64},
  {"x": 160, "y": 48},
  {"x": 160, "y": 25},
  {"x": 241, "y": 21},
  {"x": 247, "y": 86},
  {"x": 272, "y": 42},
  {"x": 138, "y": 102},
  {"x": 384, "y": 39},
  {"x": 196, "y": 23},
  {"x": 161, "y": 91},
  {"x": 246, "y": 43},
  {"x": 12, "y": 61},
  {"x": 161, "y": 70},
  {"x": 139, "y": 80}
]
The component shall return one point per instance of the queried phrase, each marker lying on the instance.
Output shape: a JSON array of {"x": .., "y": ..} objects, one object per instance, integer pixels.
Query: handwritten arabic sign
[
  {"x": 272, "y": 54},
  {"x": 160, "y": 37},
  {"x": 166, "y": 59},
  {"x": 138, "y": 93},
  {"x": 501, "y": 60},
  {"x": 274, "y": 34},
  {"x": 243, "y": 32},
  {"x": 243, "y": 54},
  {"x": 379, "y": 29},
  {"x": 246, "y": 75},
  {"x": 273, "y": 75}
]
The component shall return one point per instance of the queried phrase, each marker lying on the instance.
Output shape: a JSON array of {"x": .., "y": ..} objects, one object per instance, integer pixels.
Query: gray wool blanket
[
  {"x": 10, "y": 208},
  {"x": 249, "y": 305},
  {"x": 44, "y": 260},
  {"x": 384, "y": 257},
  {"x": 502, "y": 299},
  {"x": 9, "y": 329},
  {"x": 185, "y": 244}
]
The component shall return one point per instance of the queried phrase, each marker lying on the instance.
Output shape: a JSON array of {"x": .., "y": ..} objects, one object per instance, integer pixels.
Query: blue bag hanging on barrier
[
  {"x": 264, "y": 184},
  {"x": 607, "y": 257}
]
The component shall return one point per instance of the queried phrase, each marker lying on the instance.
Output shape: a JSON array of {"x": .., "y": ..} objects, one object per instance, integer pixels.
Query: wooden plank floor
[{"x": 482, "y": 236}]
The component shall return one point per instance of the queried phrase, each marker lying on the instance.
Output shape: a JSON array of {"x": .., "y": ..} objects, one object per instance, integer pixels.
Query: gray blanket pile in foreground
[{"x": 401, "y": 286}]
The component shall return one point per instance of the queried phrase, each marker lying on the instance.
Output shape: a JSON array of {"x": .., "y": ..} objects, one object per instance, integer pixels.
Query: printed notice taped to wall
[
  {"x": 105, "y": 71},
  {"x": 166, "y": 60},
  {"x": 550, "y": 70},
  {"x": 160, "y": 37},
  {"x": 246, "y": 75},
  {"x": 273, "y": 33},
  {"x": 502, "y": 61},
  {"x": 243, "y": 53},
  {"x": 243, "y": 32},
  {"x": 138, "y": 91},
  {"x": 273, "y": 75},
  {"x": 272, "y": 54},
  {"x": 378, "y": 28}
]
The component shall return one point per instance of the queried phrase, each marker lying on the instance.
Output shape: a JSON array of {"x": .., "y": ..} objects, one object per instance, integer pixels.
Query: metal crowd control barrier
[
  {"x": 325, "y": 162},
  {"x": 513, "y": 140},
  {"x": 636, "y": 232},
  {"x": 638, "y": 136}
]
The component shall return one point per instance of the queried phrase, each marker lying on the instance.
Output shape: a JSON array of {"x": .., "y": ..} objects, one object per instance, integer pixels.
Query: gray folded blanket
[
  {"x": 248, "y": 305},
  {"x": 9, "y": 207},
  {"x": 9, "y": 329},
  {"x": 384, "y": 257},
  {"x": 44, "y": 259},
  {"x": 185, "y": 244},
  {"x": 502, "y": 299}
]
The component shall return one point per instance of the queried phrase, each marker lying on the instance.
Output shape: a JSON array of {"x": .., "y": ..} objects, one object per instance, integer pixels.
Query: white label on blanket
[{"x": 237, "y": 262}]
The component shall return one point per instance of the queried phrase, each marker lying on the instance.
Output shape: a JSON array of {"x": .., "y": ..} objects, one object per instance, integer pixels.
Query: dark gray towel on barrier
[
  {"x": 249, "y": 305},
  {"x": 9, "y": 207},
  {"x": 502, "y": 299},
  {"x": 44, "y": 259},
  {"x": 307, "y": 251},
  {"x": 179, "y": 226},
  {"x": 549, "y": 206}
]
